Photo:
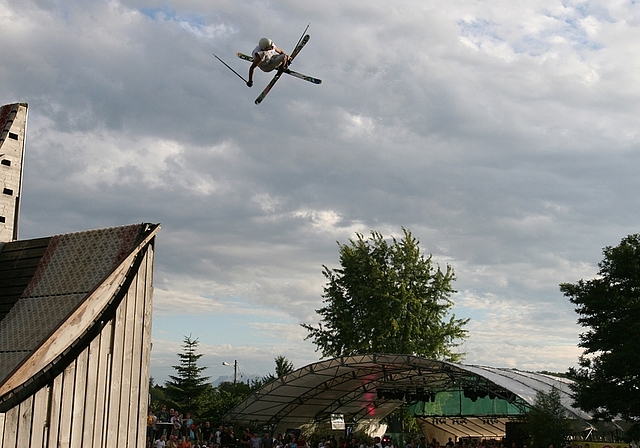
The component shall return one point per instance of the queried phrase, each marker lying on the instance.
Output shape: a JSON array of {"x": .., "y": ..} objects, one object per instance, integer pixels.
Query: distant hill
[{"x": 241, "y": 378}]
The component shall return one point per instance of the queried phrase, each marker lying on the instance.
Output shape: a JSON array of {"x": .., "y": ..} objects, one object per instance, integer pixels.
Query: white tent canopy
[{"x": 372, "y": 386}]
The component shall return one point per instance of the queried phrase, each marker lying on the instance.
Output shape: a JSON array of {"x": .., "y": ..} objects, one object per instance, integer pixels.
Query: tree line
[{"x": 188, "y": 390}]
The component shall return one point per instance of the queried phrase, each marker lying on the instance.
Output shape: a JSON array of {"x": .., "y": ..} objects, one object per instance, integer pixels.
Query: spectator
[
  {"x": 255, "y": 441},
  {"x": 224, "y": 437},
  {"x": 176, "y": 427},
  {"x": 301, "y": 442},
  {"x": 292, "y": 441},
  {"x": 172, "y": 442},
  {"x": 206, "y": 432},
  {"x": 163, "y": 415},
  {"x": 161, "y": 442},
  {"x": 151, "y": 424},
  {"x": 267, "y": 441},
  {"x": 245, "y": 440},
  {"x": 187, "y": 432},
  {"x": 161, "y": 422}
]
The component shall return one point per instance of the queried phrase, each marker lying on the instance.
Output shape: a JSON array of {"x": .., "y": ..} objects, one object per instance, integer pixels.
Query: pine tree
[
  {"x": 283, "y": 366},
  {"x": 547, "y": 422},
  {"x": 187, "y": 389}
]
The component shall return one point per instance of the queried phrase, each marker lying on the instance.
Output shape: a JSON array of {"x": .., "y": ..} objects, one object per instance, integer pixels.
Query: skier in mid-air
[{"x": 267, "y": 56}]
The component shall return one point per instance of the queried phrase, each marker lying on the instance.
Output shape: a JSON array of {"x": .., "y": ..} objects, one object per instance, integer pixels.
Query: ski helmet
[{"x": 265, "y": 43}]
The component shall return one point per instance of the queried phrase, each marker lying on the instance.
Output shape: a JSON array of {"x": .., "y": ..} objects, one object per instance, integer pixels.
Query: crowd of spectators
[
  {"x": 417, "y": 442},
  {"x": 170, "y": 429}
]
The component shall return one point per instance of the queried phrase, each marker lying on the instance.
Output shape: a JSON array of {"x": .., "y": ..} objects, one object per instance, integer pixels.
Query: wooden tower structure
[
  {"x": 75, "y": 338},
  {"x": 75, "y": 323},
  {"x": 13, "y": 128}
]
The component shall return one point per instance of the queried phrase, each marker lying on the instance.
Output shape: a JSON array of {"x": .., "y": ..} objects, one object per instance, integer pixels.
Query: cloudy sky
[{"x": 503, "y": 134}]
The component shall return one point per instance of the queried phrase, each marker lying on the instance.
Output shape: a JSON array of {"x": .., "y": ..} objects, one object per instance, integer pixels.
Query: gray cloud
[{"x": 504, "y": 136}]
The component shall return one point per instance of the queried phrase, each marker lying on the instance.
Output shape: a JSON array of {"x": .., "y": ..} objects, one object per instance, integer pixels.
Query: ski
[
  {"x": 246, "y": 57},
  {"x": 304, "y": 77},
  {"x": 295, "y": 52},
  {"x": 269, "y": 86},
  {"x": 302, "y": 43}
]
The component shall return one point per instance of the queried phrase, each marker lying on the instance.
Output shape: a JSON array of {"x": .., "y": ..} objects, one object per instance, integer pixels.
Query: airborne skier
[{"x": 267, "y": 56}]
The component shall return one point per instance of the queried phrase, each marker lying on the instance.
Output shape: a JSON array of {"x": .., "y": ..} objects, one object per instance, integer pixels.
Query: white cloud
[{"x": 503, "y": 134}]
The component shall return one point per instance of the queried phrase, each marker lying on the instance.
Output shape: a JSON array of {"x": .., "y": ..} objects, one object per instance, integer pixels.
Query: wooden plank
[
  {"x": 135, "y": 405},
  {"x": 19, "y": 259},
  {"x": 6, "y": 307},
  {"x": 92, "y": 389},
  {"x": 125, "y": 403},
  {"x": 11, "y": 428},
  {"x": 20, "y": 267},
  {"x": 146, "y": 338},
  {"x": 102, "y": 389},
  {"x": 16, "y": 265},
  {"x": 79, "y": 396},
  {"x": 66, "y": 406},
  {"x": 25, "y": 422},
  {"x": 11, "y": 279},
  {"x": 55, "y": 401},
  {"x": 113, "y": 408},
  {"x": 14, "y": 289},
  {"x": 25, "y": 416},
  {"x": 138, "y": 426},
  {"x": 27, "y": 264},
  {"x": 25, "y": 244},
  {"x": 22, "y": 254},
  {"x": 40, "y": 408},
  {"x": 2, "y": 418}
]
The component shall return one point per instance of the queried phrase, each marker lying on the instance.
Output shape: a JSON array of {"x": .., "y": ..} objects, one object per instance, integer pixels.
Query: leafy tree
[
  {"x": 220, "y": 400},
  {"x": 158, "y": 396},
  {"x": 607, "y": 381},
  {"x": 547, "y": 422},
  {"x": 387, "y": 298},
  {"x": 186, "y": 390}
]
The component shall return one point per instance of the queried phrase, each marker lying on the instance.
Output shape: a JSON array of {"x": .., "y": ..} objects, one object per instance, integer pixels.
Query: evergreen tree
[
  {"x": 283, "y": 367},
  {"x": 547, "y": 422},
  {"x": 186, "y": 390},
  {"x": 607, "y": 383},
  {"x": 387, "y": 298}
]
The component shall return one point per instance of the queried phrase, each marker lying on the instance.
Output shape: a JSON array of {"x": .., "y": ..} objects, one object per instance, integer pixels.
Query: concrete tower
[{"x": 13, "y": 127}]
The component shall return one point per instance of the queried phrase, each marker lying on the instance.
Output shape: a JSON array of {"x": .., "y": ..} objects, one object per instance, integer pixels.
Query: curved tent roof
[
  {"x": 527, "y": 384},
  {"x": 372, "y": 386}
]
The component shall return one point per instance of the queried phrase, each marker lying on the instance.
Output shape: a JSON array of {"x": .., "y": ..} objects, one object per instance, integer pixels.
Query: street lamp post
[{"x": 235, "y": 370}]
